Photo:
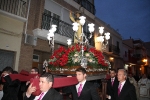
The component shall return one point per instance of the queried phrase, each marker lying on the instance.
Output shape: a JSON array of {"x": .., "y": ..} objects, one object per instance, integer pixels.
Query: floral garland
[{"x": 71, "y": 57}]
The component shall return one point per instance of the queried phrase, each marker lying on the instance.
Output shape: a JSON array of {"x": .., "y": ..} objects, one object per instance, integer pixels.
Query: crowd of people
[
  {"x": 17, "y": 90},
  {"x": 120, "y": 86},
  {"x": 125, "y": 86}
]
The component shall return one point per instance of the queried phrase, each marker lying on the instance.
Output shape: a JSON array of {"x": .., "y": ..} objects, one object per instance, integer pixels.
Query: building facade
[
  {"x": 40, "y": 20},
  {"x": 28, "y": 28},
  {"x": 13, "y": 16},
  {"x": 136, "y": 56},
  {"x": 113, "y": 51}
]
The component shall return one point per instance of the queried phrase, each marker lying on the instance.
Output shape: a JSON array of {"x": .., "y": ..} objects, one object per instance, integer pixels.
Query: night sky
[{"x": 129, "y": 17}]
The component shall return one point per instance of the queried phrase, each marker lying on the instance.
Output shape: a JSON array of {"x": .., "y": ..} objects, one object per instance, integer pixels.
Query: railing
[
  {"x": 114, "y": 49},
  {"x": 87, "y": 5},
  {"x": 63, "y": 28},
  {"x": 138, "y": 56},
  {"x": 17, "y": 7}
]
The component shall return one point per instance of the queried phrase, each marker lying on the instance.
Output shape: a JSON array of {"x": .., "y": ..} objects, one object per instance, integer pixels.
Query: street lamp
[{"x": 145, "y": 60}]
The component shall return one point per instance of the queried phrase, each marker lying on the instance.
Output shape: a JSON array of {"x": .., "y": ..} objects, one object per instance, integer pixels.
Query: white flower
[
  {"x": 76, "y": 54},
  {"x": 87, "y": 54},
  {"x": 90, "y": 60},
  {"x": 76, "y": 60}
]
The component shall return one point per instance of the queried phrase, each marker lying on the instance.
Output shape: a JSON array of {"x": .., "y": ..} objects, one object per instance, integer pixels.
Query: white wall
[
  {"x": 114, "y": 42},
  {"x": 10, "y": 36}
]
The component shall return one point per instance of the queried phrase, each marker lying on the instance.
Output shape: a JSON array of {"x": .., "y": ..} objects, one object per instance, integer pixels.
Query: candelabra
[
  {"x": 103, "y": 38},
  {"x": 50, "y": 37},
  {"x": 82, "y": 39}
]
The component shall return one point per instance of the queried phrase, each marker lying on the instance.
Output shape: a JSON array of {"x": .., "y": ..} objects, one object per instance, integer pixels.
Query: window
[
  {"x": 55, "y": 21},
  {"x": 110, "y": 40},
  {"x": 46, "y": 19},
  {"x": 117, "y": 45},
  {"x": 125, "y": 53},
  {"x": 7, "y": 58},
  {"x": 35, "y": 57},
  {"x": 56, "y": 16}
]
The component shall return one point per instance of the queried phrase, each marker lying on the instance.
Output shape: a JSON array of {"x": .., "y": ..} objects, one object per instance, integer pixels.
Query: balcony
[
  {"x": 87, "y": 5},
  {"x": 138, "y": 56},
  {"x": 114, "y": 49},
  {"x": 63, "y": 28},
  {"x": 14, "y": 8}
]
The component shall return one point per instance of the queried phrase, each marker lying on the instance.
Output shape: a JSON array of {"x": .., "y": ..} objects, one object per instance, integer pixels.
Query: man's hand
[
  {"x": 108, "y": 96},
  {"x": 30, "y": 90}
]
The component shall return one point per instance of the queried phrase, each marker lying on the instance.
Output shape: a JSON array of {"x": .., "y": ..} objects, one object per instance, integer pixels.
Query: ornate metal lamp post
[{"x": 82, "y": 39}]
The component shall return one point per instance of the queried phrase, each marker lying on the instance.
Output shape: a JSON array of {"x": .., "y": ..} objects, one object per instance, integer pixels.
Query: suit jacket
[
  {"x": 111, "y": 88},
  {"x": 89, "y": 92},
  {"x": 127, "y": 92},
  {"x": 52, "y": 94},
  {"x": 10, "y": 89}
]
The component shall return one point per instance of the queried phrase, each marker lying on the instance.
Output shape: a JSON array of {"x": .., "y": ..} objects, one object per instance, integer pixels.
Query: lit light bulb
[
  {"x": 101, "y": 30},
  {"x": 69, "y": 41},
  {"x": 75, "y": 26},
  {"x": 50, "y": 35},
  {"x": 54, "y": 28},
  {"x": 91, "y": 27},
  {"x": 107, "y": 36},
  {"x": 82, "y": 20}
]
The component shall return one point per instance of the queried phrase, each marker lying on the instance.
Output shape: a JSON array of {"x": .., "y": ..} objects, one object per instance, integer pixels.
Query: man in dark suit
[
  {"x": 84, "y": 90},
  {"x": 125, "y": 90},
  {"x": 111, "y": 84},
  {"x": 24, "y": 85},
  {"x": 47, "y": 92},
  {"x": 10, "y": 87}
]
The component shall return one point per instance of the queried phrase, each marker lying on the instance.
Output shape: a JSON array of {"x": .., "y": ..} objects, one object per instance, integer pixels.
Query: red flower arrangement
[{"x": 71, "y": 57}]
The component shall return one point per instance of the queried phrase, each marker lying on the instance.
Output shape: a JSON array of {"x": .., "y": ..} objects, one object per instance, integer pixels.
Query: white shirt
[
  {"x": 77, "y": 86},
  {"x": 122, "y": 84},
  {"x": 112, "y": 79}
]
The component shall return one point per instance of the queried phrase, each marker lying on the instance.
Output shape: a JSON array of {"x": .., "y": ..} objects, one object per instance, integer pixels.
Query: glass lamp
[
  {"x": 91, "y": 27},
  {"x": 69, "y": 41},
  {"x": 82, "y": 20},
  {"x": 101, "y": 30},
  {"x": 75, "y": 26}
]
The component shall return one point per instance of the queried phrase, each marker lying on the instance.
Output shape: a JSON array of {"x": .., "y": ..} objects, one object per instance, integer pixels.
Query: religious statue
[
  {"x": 77, "y": 35},
  {"x": 45, "y": 66}
]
